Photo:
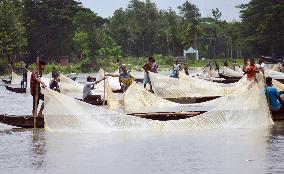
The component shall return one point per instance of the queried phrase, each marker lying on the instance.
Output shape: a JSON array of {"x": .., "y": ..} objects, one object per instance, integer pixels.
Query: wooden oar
[{"x": 36, "y": 95}]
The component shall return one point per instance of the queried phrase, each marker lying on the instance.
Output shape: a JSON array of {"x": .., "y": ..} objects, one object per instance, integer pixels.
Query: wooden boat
[
  {"x": 228, "y": 77},
  {"x": 166, "y": 116},
  {"x": 27, "y": 121},
  {"x": 94, "y": 100},
  {"x": 6, "y": 81},
  {"x": 188, "y": 100},
  {"x": 226, "y": 81},
  {"x": 16, "y": 90}
]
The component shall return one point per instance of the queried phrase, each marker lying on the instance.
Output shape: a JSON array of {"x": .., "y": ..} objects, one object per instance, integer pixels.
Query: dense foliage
[{"x": 64, "y": 28}]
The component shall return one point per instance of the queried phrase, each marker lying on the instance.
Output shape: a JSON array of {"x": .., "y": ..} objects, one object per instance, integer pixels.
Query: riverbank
[{"x": 165, "y": 63}]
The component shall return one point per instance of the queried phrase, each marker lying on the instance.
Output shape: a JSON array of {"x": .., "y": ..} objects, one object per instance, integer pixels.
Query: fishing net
[
  {"x": 239, "y": 70},
  {"x": 75, "y": 89},
  {"x": 231, "y": 73},
  {"x": 138, "y": 99},
  {"x": 245, "y": 110},
  {"x": 274, "y": 74},
  {"x": 112, "y": 101},
  {"x": 167, "y": 87},
  {"x": 16, "y": 79}
]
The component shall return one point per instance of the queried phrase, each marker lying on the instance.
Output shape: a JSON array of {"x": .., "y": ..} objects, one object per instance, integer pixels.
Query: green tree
[
  {"x": 191, "y": 16},
  {"x": 263, "y": 26},
  {"x": 12, "y": 31},
  {"x": 50, "y": 27}
]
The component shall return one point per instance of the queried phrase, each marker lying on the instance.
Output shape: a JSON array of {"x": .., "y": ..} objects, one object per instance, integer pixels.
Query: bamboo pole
[
  {"x": 104, "y": 88},
  {"x": 36, "y": 95}
]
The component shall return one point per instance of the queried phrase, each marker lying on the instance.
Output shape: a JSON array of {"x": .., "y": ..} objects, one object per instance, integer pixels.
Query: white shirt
[
  {"x": 87, "y": 90},
  {"x": 176, "y": 67}
]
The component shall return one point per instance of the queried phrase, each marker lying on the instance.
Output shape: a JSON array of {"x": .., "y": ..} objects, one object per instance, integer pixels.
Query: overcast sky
[{"x": 105, "y": 8}]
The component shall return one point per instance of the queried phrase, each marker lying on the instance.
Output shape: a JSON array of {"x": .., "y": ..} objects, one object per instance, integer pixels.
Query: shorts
[
  {"x": 40, "y": 97},
  {"x": 146, "y": 78}
]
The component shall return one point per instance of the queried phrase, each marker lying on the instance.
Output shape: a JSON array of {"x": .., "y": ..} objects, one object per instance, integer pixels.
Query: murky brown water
[{"x": 211, "y": 151}]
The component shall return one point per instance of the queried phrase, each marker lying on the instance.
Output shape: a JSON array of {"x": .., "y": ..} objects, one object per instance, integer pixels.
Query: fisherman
[
  {"x": 89, "y": 86},
  {"x": 148, "y": 68},
  {"x": 176, "y": 69},
  {"x": 125, "y": 78},
  {"x": 251, "y": 70},
  {"x": 217, "y": 66},
  {"x": 24, "y": 82},
  {"x": 186, "y": 69},
  {"x": 226, "y": 63},
  {"x": 54, "y": 72},
  {"x": 119, "y": 63},
  {"x": 54, "y": 83},
  {"x": 235, "y": 64},
  {"x": 155, "y": 66},
  {"x": 246, "y": 65},
  {"x": 275, "y": 100},
  {"x": 35, "y": 88},
  {"x": 261, "y": 65}
]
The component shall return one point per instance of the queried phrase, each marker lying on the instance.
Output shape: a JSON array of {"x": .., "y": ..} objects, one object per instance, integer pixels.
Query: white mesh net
[
  {"x": 167, "y": 87},
  {"x": 231, "y": 73},
  {"x": 244, "y": 110},
  {"x": 274, "y": 74},
  {"x": 16, "y": 79}
]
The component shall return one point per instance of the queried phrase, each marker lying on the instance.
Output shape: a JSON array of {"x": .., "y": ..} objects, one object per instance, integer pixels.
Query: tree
[
  {"x": 217, "y": 14},
  {"x": 12, "y": 31},
  {"x": 50, "y": 27},
  {"x": 191, "y": 16},
  {"x": 263, "y": 26}
]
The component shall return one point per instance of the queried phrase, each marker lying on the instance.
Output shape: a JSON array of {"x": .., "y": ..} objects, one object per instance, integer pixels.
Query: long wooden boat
[
  {"x": 94, "y": 100},
  {"x": 6, "y": 81},
  {"x": 227, "y": 81},
  {"x": 16, "y": 90},
  {"x": 27, "y": 121},
  {"x": 228, "y": 77},
  {"x": 188, "y": 100}
]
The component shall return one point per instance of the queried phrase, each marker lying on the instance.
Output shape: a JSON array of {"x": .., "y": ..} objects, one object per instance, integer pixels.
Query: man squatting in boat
[{"x": 89, "y": 86}]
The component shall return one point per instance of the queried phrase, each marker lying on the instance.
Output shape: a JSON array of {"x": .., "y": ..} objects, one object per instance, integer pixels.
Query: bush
[
  {"x": 3, "y": 67},
  {"x": 85, "y": 65}
]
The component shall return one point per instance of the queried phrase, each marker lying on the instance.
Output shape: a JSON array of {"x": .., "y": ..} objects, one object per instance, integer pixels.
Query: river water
[{"x": 211, "y": 151}]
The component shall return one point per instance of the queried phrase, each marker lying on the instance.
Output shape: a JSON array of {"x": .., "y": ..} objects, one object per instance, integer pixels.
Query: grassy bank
[{"x": 135, "y": 63}]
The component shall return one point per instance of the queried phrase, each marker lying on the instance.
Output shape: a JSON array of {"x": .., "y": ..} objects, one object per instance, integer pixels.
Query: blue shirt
[{"x": 273, "y": 94}]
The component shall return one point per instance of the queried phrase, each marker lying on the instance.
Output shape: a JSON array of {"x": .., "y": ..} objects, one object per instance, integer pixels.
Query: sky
[{"x": 106, "y": 8}]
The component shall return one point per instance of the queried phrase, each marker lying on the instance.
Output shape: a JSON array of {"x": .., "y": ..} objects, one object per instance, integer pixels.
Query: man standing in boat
[
  {"x": 251, "y": 70},
  {"x": 148, "y": 68},
  {"x": 24, "y": 82},
  {"x": 35, "y": 88}
]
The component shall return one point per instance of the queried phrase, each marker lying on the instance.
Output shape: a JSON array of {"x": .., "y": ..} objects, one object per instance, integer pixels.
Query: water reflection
[{"x": 38, "y": 149}]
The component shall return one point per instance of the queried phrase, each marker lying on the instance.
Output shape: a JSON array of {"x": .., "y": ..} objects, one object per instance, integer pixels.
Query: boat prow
[
  {"x": 6, "y": 81},
  {"x": 16, "y": 90},
  {"x": 26, "y": 121}
]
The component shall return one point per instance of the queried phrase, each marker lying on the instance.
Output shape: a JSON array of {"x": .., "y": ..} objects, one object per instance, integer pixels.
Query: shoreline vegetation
[{"x": 109, "y": 65}]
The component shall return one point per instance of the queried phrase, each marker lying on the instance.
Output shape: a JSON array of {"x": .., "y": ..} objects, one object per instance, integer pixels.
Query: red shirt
[
  {"x": 251, "y": 71},
  {"x": 34, "y": 83}
]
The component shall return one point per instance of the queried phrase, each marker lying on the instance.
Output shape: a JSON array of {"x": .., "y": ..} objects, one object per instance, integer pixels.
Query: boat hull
[
  {"x": 28, "y": 121},
  {"x": 6, "y": 81},
  {"x": 16, "y": 90}
]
